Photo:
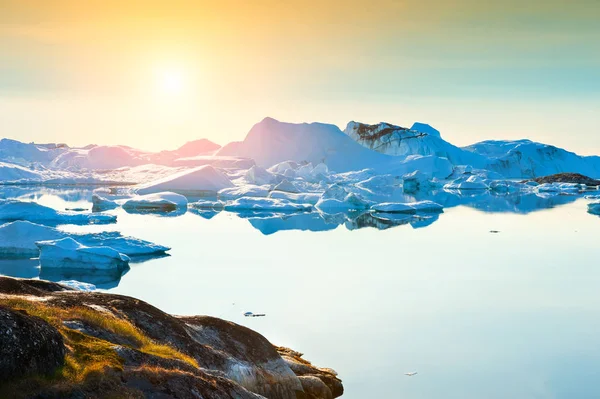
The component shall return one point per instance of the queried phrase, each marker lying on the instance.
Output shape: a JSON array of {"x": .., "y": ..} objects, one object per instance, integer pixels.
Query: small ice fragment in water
[
  {"x": 250, "y": 314},
  {"x": 411, "y": 373}
]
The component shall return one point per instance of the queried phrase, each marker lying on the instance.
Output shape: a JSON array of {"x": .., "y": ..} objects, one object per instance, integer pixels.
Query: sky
[{"x": 155, "y": 74}]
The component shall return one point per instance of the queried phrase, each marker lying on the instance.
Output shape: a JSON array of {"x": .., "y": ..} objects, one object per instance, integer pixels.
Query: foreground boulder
[
  {"x": 28, "y": 345},
  {"x": 122, "y": 347}
]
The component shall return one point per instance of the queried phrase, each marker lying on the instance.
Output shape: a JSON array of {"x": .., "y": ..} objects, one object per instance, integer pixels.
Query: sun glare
[{"x": 171, "y": 81}]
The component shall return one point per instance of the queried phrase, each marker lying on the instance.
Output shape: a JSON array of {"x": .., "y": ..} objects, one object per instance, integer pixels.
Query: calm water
[{"x": 514, "y": 314}]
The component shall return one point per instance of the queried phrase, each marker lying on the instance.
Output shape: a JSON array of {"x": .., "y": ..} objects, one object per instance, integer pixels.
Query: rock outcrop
[
  {"x": 28, "y": 345},
  {"x": 119, "y": 346}
]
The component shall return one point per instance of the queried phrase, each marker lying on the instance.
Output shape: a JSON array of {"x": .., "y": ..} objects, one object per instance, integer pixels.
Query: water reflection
[{"x": 104, "y": 279}]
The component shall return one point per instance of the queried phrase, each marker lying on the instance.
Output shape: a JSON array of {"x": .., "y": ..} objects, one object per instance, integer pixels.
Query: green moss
[{"x": 90, "y": 363}]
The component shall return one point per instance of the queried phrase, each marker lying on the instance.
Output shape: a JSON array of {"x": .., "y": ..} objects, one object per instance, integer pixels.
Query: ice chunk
[
  {"x": 351, "y": 202},
  {"x": 259, "y": 176},
  {"x": 68, "y": 253},
  {"x": 561, "y": 188},
  {"x": 473, "y": 182},
  {"x": 203, "y": 180},
  {"x": 158, "y": 202},
  {"x": 594, "y": 208},
  {"x": 282, "y": 167},
  {"x": 12, "y": 209},
  {"x": 286, "y": 186},
  {"x": 415, "y": 181},
  {"x": 393, "y": 207},
  {"x": 266, "y": 205},
  {"x": 100, "y": 204},
  {"x": 427, "y": 206},
  {"x": 335, "y": 191}
]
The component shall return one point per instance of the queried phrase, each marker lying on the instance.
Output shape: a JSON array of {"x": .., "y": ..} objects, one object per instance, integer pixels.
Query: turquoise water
[{"x": 513, "y": 314}]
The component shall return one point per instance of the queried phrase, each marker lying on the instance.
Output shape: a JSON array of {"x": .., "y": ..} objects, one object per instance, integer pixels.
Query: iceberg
[
  {"x": 156, "y": 203},
  {"x": 17, "y": 239},
  {"x": 594, "y": 208},
  {"x": 472, "y": 182},
  {"x": 201, "y": 181},
  {"x": 266, "y": 205},
  {"x": 351, "y": 202},
  {"x": 286, "y": 186},
  {"x": 207, "y": 204},
  {"x": 101, "y": 204},
  {"x": 70, "y": 254},
  {"x": 12, "y": 210}
]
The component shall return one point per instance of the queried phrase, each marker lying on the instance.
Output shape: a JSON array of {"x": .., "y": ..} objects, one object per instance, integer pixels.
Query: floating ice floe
[
  {"x": 250, "y": 314},
  {"x": 158, "y": 202},
  {"x": 100, "y": 204},
  {"x": 204, "y": 180},
  {"x": 594, "y": 208},
  {"x": 473, "y": 182},
  {"x": 408, "y": 208},
  {"x": 265, "y": 205},
  {"x": 351, "y": 202},
  {"x": 566, "y": 188},
  {"x": 70, "y": 254},
  {"x": 12, "y": 210},
  {"x": 17, "y": 239}
]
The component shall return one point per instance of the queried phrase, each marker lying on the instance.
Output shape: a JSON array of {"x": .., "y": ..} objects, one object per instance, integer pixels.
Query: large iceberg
[
  {"x": 70, "y": 254},
  {"x": 12, "y": 209},
  {"x": 17, "y": 239}
]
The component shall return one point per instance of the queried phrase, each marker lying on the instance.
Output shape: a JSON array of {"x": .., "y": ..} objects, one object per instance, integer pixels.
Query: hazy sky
[{"x": 154, "y": 74}]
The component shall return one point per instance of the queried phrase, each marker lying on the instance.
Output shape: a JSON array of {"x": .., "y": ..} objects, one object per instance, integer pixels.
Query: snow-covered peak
[{"x": 425, "y": 128}]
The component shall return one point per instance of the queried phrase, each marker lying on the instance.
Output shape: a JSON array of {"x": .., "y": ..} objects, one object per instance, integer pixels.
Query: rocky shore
[{"x": 56, "y": 342}]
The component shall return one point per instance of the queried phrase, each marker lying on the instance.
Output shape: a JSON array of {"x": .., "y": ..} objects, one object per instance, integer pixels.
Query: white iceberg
[
  {"x": 351, "y": 202},
  {"x": 17, "y": 239},
  {"x": 473, "y": 182},
  {"x": 259, "y": 176},
  {"x": 266, "y": 205},
  {"x": 68, "y": 253},
  {"x": 12, "y": 210},
  {"x": 100, "y": 204},
  {"x": 286, "y": 186},
  {"x": 204, "y": 180},
  {"x": 158, "y": 202}
]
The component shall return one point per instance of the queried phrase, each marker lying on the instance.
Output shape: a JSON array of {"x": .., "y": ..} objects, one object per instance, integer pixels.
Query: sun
[{"x": 171, "y": 81}]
